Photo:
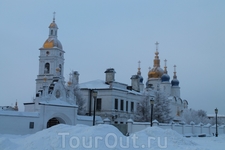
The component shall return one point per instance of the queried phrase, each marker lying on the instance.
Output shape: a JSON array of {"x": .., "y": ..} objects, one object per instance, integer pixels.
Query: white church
[{"x": 55, "y": 101}]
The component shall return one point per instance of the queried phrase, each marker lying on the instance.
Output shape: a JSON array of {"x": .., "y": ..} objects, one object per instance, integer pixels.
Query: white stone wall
[{"x": 186, "y": 130}]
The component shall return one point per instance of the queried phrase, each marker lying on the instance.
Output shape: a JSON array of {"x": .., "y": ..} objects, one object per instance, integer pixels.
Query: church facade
[{"x": 55, "y": 101}]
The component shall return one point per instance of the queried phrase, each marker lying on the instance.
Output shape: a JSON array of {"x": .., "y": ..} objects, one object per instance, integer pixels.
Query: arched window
[
  {"x": 51, "y": 32},
  {"x": 60, "y": 69},
  {"x": 47, "y": 68}
]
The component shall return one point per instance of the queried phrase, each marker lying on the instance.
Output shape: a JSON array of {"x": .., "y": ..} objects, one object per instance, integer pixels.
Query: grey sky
[{"x": 100, "y": 34}]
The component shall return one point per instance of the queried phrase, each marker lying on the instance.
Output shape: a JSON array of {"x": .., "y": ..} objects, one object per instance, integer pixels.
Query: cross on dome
[
  {"x": 174, "y": 68},
  {"x": 156, "y": 46},
  {"x": 54, "y": 16}
]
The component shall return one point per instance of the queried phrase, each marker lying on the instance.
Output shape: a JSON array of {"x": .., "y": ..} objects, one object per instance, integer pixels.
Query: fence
[{"x": 185, "y": 129}]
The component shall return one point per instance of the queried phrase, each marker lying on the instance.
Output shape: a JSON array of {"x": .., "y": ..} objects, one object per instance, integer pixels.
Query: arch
[
  {"x": 54, "y": 121},
  {"x": 58, "y": 118},
  {"x": 47, "y": 68},
  {"x": 60, "y": 69}
]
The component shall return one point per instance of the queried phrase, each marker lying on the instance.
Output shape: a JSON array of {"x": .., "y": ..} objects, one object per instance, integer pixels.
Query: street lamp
[
  {"x": 94, "y": 94},
  {"x": 152, "y": 103},
  {"x": 216, "y": 111}
]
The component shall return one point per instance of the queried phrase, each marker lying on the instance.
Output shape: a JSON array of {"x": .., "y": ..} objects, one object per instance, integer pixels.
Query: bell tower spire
[
  {"x": 51, "y": 58},
  {"x": 156, "y": 60},
  {"x": 165, "y": 67},
  {"x": 174, "y": 76}
]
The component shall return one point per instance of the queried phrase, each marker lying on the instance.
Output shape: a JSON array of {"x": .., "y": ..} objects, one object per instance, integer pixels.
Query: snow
[
  {"x": 104, "y": 137},
  {"x": 19, "y": 113},
  {"x": 57, "y": 102},
  {"x": 100, "y": 84}
]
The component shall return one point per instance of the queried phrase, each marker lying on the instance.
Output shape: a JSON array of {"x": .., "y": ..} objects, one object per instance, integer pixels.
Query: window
[
  {"x": 126, "y": 105},
  {"x": 47, "y": 68},
  {"x": 121, "y": 104},
  {"x": 31, "y": 125},
  {"x": 51, "y": 32},
  {"x": 116, "y": 104},
  {"x": 99, "y": 104},
  {"x": 60, "y": 68},
  {"x": 132, "y": 107}
]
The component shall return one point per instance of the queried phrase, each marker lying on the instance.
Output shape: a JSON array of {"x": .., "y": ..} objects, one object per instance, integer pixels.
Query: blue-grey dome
[
  {"x": 175, "y": 82},
  {"x": 165, "y": 77},
  {"x": 141, "y": 79}
]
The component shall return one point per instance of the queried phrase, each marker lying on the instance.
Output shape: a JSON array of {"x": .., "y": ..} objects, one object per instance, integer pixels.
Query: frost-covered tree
[
  {"x": 143, "y": 108},
  {"x": 197, "y": 116},
  {"x": 80, "y": 101},
  {"x": 74, "y": 87},
  {"x": 161, "y": 109}
]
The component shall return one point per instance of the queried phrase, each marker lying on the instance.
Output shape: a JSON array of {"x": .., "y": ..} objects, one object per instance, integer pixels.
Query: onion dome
[
  {"x": 165, "y": 77},
  {"x": 156, "y": 71},
  {"x": 52, "y": 40},
  {"x": 175, "y": 82}
]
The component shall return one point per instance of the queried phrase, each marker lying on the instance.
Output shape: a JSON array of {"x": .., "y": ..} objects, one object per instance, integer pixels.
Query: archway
[{"x": 54, "y": 121}]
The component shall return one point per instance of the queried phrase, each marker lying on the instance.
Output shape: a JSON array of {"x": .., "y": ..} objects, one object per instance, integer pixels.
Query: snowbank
[{"x": 104, "y": 137}]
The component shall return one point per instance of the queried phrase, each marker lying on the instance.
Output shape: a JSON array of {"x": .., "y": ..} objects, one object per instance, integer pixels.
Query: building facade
[
  {"x": 55, "y": 101},
  {"x": 118, "y": 101}
]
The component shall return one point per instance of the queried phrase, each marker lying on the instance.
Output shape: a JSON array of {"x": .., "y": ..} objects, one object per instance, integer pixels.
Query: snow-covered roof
[
  {"x": 100, "y": 84},
  {"x": 57, "y": 102},
  {"x": 95, "y": 84},
  {"x": 19, "y": 113}
]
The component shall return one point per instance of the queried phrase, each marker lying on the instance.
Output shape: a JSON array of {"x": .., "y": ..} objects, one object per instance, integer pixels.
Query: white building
[
  {"x": 118, "y": 101},
  {"x": 54, "y": 102}
]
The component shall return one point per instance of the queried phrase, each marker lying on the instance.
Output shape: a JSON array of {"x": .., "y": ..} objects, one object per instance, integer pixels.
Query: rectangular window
[
  {"x": 99, "y": 104},
  {"x": 126, "y": 105},
  {"x": 31, "y": 125},
  {"x": 116, "y": 104},
  {"x": 132, "y": 107},
  {"x": 121, "y": 104}
]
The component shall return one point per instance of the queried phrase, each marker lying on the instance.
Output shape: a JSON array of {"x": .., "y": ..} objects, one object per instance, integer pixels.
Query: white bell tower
[{"x": 51, "y": 59}]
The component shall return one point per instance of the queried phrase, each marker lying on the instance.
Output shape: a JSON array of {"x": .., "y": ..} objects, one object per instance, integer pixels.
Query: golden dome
[
  {"x": 52, "y": 42},
  {"x": 53, "y": 25},
  {"x": 155, "y": 72}
]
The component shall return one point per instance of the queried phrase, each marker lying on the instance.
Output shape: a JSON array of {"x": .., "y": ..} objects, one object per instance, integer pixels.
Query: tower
[
  {"x": 156, "y": 72},
  {"x": 175, "y": 89},
  {"x": 51, "y": 59},
  {"x": 137, "y": 80},
  {"x": 165, "y": 79}
]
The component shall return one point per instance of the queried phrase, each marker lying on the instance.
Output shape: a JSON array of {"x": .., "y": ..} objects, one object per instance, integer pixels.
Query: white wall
[{"x": 193, "y": 129}]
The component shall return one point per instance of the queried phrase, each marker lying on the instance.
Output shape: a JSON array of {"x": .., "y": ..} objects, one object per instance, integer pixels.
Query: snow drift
[{"x": 100, "y": 137}]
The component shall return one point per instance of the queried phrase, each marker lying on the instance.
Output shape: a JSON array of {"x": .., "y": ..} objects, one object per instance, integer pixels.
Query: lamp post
[
  {"x": 152, "y": 103},
  {"x": 94, "y": 94},
  {"x": 216, "y": 111}
]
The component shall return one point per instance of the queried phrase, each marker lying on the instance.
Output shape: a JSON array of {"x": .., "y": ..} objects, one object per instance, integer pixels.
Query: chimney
[
  {"x": 109, "y": 75},
  {"x": 135, "y": 83},
  {"x": 75, "y": 78}
]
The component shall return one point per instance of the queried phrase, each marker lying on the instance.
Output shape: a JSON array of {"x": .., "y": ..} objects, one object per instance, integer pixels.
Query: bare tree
[{"x": 143, "y": 109}]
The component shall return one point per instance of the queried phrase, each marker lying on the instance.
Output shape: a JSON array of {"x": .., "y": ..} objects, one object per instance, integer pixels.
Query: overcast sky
[{"x": 99, "y": 34}]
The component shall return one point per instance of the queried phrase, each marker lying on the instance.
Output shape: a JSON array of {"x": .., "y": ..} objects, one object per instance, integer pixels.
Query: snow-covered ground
[{"x": 104, "y": 137}]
